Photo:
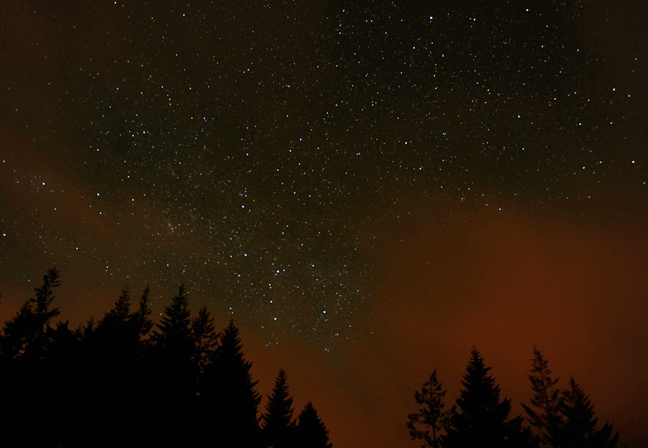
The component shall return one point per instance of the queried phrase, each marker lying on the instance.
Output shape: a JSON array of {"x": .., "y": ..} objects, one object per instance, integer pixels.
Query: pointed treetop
[
  {"x": 142, "y": 316},
  {"x": 25, "y": 332},
  {"x": 477, "y": 377},
  {"x": 278, "y": 419},
  {"x": 482, "y": 417},
  {"x": 204, "y": 336},
  {"x": 203, "y": 324},
  {"x": 579, "y": 426},
  {"x": 45, "y": 296},
  {"x": 311, "y": 431},
  {"x": 120, "y": 311},
  {"x": 429, "y": 423},
  {"x": 176, "y": 321},
  {"x": 543, "y": 412}
]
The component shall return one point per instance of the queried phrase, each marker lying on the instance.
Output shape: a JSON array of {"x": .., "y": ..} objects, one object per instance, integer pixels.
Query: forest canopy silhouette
[
  {"x": 125, "y": 380},
  {"x": 555, "y": 418}
]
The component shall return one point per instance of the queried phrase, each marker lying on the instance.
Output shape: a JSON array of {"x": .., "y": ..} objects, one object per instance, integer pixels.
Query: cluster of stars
[{"x": 246, "y": 148}]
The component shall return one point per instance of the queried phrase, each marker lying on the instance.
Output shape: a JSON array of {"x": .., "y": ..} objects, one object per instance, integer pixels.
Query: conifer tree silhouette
[
  {"x": 482, "y": 417},
  {"x": 113, "y": 351},
  {"x": 171, "y": 373},
  {"x": 310, "y": 431},
  {"x": 431, "y": 416},
  {"x": 60, "y": 369},
  {"x": 278, "y": 424},
  {"x": 120, "y": 312},
  {"x": 228, "y": 399},
  {"x": 25, "y": 333},
  {"x": 578, "y": 427},
  {"x": 543, "y": 412},
  {"x": 106, "y": 384},
  {"x": 116, "y": 337},
  {"x": 205, "y": 338},
  {"x": 173, "y": 332},
  {"x": 142, "y": 317},
  {"x": 25, "y": 341}
]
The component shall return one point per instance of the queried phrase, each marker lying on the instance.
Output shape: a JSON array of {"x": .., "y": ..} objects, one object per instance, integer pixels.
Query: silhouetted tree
[
  {"x": 173, "y": 332},
  {"x": 25, "y": 334},
  {"x": 142, "y": 317},
  {"x": 482, "y": 418},
  {"x": 310, "y": 431},
  {"x": 278, "y": 421},
  {"x": 25, "y": 374},
  {"x": 205, "y": 338},
  {"x": 120, "y": 312},
  {"x": 171, "y": 373},
  {"x": 62, "y": 368},
  {"x": 113, "y": 352},
  {"x": 543, "y": 412},
  {"x": 107, "y": 384},
  {"x": 578, "y": 428},
  {"x": 431, "y": 415},
  {"x": 228, "y": 399},
  {"x": 116, "y": 338}
]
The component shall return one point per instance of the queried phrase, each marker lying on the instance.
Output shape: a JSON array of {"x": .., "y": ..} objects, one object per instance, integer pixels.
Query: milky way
[{"x": 254, "y": 149}]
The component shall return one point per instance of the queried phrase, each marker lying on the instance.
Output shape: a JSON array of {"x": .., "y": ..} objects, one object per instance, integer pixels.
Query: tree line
[
  {"x": 126, "y": 381},
  {"x": 555, "y": 417}
]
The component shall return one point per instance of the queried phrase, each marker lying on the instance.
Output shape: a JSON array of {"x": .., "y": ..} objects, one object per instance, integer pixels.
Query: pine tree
[
  {"x": 202, "y": 329},
  {"x": 173, "y": 332},
  {"x": 120, "y": 312},
  {"x": 543, "y": 412},
  {"x": 112, "y": 352},
  {"x": 62, "y": 366},
  {"x": 173, "y": 346},
  {"x": 142, "y": 317},
  {"x": 482, "y": 418},
  {"x": 278, "y": 421},
  {"x": 171, "y": 373},
  {"x": 25, "y": 334},
  {"x": 579, "y": 424},
  {"x": 310, "y": 431},
  {"x": 25, "y": 341},
  {"x": 116, "y": 337},
  {"x": 228, "y": 400},
  {"x": 431, "y": 414}
]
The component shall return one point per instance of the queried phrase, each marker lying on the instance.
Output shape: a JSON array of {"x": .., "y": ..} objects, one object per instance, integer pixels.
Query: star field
[{"x": 253, "y": 149}]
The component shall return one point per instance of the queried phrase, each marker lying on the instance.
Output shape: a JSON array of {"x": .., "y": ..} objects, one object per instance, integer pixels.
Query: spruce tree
[
  {"x": 310, "y": 431},
  {"x": 25, "y": 334},
  {"x": 120, "y": 311},
  {"x": 543, "y": 412},
  {"x": 171, "y": 373},
  {"x": 25, "y": 342},
  {"x": 229, "y": 402},
  {"x": 482, "y": 417},
  {"x": 278, "y": 421},
  {"x": 173, "y": 345},
  {"x": 64, "y": 368},
  {"x": 142, "y": 317},
  {"x": 205, "y": 339},
  {"x": 116, "y": 337},
  {"x": 579, "y": 424},
  {"x": 431, "y": 418},
  {"x": 173, "y": 332},
  {"x": 113, "y": 354}
]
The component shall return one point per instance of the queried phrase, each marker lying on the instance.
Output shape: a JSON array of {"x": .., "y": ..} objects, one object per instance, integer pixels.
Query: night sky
[{"x": 367, "y": 188}]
